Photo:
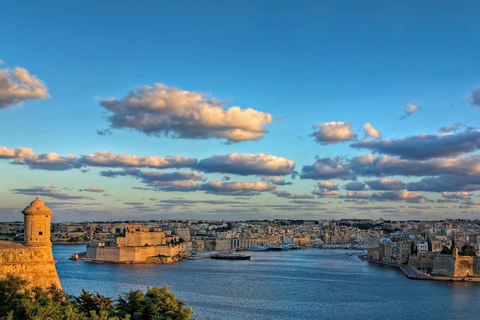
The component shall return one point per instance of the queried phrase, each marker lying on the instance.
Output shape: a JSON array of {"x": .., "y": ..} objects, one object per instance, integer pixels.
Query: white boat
[
  {"x": 271, "y": 247},
  {"x": 256, "y": 248}
]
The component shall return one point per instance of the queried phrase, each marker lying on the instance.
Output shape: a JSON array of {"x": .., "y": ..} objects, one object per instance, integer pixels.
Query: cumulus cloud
[
  {"x": 96, "y": 190},
  {"x": 184, "y": 114},
  {"x": 6, "y": 153},
  {"x": 49, "y": 161},
  {"x": 276, "y": 180},
  {"x": 173, "y": 181},
  {"x": 247, "y": 164},
  {"x": 327, "y": 168},
  {"x": 457, "y": 196},
  {"x": 386, "y": 184},
  {"x": 476, "y": 97},
  {"x": 410, "y": 108},
  {"x": 18, "y": 85},
  {"x": 357, "y": 195},
  {"x": 447, "y": 182},
  {"x": 354, "y": 186},
  {"x": 426, "y": 146},
  {"x": 289, "y": 195},
  {"x": 333, "y": 132},
  {"x": 110, "y": 159},
  {"x": 237, "y": 188},
  {"x": 329, "y": 185},
  {"x": 402, "y": 195},
  {"x": 325, "y": 193},
  {"x": 387, "y": 166},
  {"x": 370, "y": 131},
  {"x": 51, "y": 192}
]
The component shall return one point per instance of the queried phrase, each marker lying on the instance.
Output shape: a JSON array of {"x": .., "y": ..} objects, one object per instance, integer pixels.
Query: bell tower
[{"x": 37, "y": 218}]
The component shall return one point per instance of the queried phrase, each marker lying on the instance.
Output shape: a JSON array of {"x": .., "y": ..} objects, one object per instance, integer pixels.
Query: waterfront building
[{"x": 138, "y": 244}]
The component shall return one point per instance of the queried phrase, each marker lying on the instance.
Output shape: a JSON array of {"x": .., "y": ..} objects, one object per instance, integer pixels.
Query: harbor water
[{"x": 296, "y": 284}]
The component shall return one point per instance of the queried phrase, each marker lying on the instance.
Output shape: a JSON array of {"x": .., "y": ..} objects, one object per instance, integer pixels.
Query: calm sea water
[{"x": 313, "y": 284}]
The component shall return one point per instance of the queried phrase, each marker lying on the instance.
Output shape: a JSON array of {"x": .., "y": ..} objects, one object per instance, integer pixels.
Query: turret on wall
[
  {"x": 32, "y": 261},
  {"x": 37, "y": 220}
]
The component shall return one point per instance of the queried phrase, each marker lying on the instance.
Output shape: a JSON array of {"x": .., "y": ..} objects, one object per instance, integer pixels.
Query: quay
[{"x": 413, "y": 273}]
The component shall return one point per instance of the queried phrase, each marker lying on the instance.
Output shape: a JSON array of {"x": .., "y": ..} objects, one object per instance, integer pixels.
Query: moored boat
[
  {"x": 230, "y": 256},
  {"x": 256, "y": 248}
]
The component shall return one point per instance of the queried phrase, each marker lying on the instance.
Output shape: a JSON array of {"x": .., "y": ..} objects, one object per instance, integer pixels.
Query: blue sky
[{"x": 333, "y": 64}]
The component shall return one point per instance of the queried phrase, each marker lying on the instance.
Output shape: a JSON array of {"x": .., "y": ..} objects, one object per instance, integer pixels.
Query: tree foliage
[
  {"x": 17, "y": 302},
  {"x": 468, "y": 250}
]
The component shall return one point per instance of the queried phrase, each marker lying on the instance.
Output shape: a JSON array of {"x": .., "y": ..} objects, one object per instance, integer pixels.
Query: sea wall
[
  {"x": 444, "y": 265},
  {"x": 164, "y": 253}
]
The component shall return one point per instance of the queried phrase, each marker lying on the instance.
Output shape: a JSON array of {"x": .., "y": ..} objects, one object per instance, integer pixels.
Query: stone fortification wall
[
  {"x": 140, "y": 239},
  {"x": 456, "y": 266},
  {"x": 463, "y": 266},
  {"x": 373, "y": 253},
  {"x": 423, "y": 260},
  {"x": 164, "y": 253},
  {"x": 476, "y": 266},
  {"x": 35, "y": 266},
  {"x": 444, "y": 265}
]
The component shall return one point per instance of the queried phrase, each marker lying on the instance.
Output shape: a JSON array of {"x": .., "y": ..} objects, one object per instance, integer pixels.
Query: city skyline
[{"x": 237, "y": 111}]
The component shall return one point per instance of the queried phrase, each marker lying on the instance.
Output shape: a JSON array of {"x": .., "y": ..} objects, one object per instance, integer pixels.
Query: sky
[{"x": 129, "y": 110}]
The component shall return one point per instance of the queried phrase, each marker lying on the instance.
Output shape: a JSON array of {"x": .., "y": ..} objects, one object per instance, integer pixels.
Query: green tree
[
  {"x": 446, "y": 250},
  {"x": 155, "y": 304},
  {"x": 17, "y": 302},
  {"x": 468, "y": 250},
  {"x": 87, "y": 302}
]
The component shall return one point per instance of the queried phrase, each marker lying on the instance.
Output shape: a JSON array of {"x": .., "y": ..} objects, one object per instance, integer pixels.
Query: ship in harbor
[{"x": 230, "y": 256}]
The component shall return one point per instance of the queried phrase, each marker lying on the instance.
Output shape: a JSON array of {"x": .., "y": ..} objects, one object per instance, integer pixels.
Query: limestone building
[
  {"x": 32, "y": 260},
  {"x": 138, "y": 244}
]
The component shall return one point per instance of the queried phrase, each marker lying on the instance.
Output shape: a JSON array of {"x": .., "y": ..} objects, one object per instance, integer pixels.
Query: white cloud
[
  {"x": 329, "y": 185},
  {"x": 247, "y": 164},
  {"x": 18, "y": 85},
  {"x": 49, "y": 161},
  {"x": 325, "y": 193},
  {"x": 276, "y": 180},
  {"x": 411, "y": 108},
  {"x": 333, "y": 132},
  {"x": 370, "y": 131},
  {"x": 386, "y": 184},
  {"x": 7, "y": 153},
  {"x": 110, "y": 159},
  {"x": 184, "y": 114}
]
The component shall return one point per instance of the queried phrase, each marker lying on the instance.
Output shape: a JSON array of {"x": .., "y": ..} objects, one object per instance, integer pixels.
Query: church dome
[{"x": 37, "y": 206}]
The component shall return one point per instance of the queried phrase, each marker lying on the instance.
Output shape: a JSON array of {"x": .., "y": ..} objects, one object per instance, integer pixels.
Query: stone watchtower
[
  {"x": 32, "y": 261},
  {"x": 37, "y": 219}
]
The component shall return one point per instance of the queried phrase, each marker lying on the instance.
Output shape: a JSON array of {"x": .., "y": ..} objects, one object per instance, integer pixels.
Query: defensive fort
[
  {"x": 33, "y": 260},
  {"x": 138, "y": 244}
]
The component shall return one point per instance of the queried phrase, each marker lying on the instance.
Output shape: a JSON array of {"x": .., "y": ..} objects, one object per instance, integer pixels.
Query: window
[{"x": 40, "y": 233}]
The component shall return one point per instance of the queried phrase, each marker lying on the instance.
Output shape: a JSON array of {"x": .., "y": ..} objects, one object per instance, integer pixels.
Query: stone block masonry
[{"x": 32, "y": 261}]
